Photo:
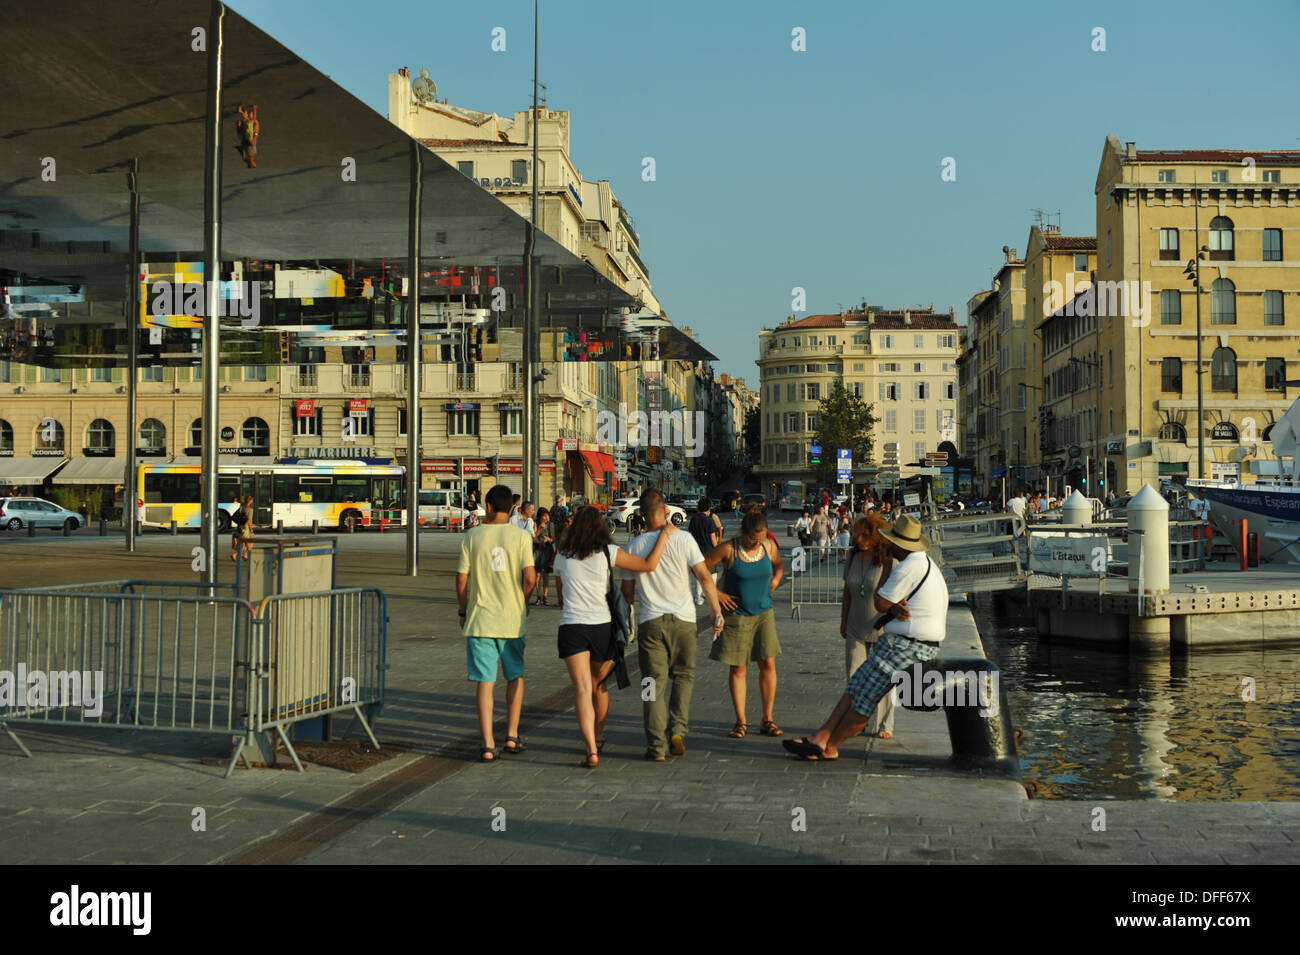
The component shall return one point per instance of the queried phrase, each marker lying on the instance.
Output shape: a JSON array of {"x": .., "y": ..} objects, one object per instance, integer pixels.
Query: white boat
[{"x": 1270, "y": 507}]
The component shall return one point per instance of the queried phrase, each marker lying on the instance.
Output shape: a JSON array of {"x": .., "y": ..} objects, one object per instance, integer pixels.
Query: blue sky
[{"x": 821, "y": 169}]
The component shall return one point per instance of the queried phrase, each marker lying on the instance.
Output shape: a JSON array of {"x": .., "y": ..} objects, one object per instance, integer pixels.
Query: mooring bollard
[{"x": 1148, "y": 520}]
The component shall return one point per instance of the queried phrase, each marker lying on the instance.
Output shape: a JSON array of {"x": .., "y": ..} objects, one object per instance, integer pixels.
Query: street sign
[
  {"x": 911, "y": 500},
  {"x": 937, "y": 456}
]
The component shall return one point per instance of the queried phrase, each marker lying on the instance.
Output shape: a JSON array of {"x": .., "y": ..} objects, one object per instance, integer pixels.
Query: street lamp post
[{"x": 1193, "y": 273}]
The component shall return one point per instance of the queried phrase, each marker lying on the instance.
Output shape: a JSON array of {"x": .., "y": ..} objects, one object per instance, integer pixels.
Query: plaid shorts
[{"x": 874, "y": 679}]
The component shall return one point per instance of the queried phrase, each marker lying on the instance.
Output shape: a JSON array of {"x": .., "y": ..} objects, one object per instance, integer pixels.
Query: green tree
[
  {"x": 843, "y": 421},
  {"x": 753, "y": 433}
]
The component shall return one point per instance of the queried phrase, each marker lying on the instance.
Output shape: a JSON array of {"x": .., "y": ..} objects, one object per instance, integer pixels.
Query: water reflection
[{"x": 1102, "y": 725}]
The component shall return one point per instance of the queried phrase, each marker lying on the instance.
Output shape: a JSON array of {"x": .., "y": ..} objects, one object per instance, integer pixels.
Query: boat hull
[{"x": 1273, "y": 513}]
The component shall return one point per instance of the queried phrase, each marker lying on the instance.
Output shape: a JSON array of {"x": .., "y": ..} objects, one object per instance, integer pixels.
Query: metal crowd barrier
[
  {"x": 816, "y": 575},
  {"x": 169, "y": 656},
  {"x": 978, "y": 553}
]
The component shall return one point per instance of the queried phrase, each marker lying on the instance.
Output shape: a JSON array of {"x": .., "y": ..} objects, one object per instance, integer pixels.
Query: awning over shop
[
  {"x": 27, "y": 470},
  {"x": 998, "y": 472},
  {"x": 243, "y": 460},
  {"x": 93, "y": 471},
  {"x": 598, "y": 462}
]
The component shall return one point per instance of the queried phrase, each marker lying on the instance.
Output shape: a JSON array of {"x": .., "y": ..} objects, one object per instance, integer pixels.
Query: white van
[{"x": 438, "y": 504}]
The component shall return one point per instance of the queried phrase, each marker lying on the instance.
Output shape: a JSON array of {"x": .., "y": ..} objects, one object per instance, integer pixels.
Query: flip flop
[{"x": 802, "y": 748}]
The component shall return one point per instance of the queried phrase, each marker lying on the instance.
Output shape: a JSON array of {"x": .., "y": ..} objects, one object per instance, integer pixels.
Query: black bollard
[
  {"x": 103, "y": 527},
  {"x": 315, "y": 526},
  {"x": 31, "y": 528},
  {"x": 67, "y": 528},
  {"x": 279, "y": 528},
  {"x": 176, "y": 529},
  {"x": 982, "y": 736}
]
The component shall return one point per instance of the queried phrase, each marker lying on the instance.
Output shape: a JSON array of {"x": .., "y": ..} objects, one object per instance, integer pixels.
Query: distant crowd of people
[{"x": 893, "y": 614}]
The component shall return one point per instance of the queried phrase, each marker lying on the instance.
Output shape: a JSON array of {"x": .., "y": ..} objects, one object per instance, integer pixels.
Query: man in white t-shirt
[
  {"x": 1017, "y": 505},
  {"x": 667, "y": 629},
  {"x": 523, "y": 518},
  {"x": 917, "y": 597}
]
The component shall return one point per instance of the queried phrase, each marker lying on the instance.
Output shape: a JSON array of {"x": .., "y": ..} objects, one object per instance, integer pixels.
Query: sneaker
[
  {"x": 677, "y": 745},
  {"x": 654, "y": 757}
]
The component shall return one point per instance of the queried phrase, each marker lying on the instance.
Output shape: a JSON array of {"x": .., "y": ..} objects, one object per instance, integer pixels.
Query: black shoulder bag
[{"x": 888, "y": 615}]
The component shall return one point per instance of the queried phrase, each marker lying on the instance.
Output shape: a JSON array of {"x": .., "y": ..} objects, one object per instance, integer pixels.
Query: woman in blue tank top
[{"x": 753, "y": 572}]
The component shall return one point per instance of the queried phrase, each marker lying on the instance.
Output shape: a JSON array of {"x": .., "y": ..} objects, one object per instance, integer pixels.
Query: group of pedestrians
[{"x": 666, "y": 575}]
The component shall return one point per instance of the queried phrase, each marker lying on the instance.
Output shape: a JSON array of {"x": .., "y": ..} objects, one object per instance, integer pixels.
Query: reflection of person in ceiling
[{"x": 247, "y": 128}]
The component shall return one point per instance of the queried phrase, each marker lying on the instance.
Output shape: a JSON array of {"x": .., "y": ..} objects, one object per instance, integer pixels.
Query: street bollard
[
  {"x": 103, "y": 527},
  {"x": 279, "y": 528},
  {"x": 315, "y": 526},
  {"x": 31, "y": 528},
  {"x": 67, "y": 528},
  {"x": 974, "y": 703},
  {"x": 176, "y": 528}
]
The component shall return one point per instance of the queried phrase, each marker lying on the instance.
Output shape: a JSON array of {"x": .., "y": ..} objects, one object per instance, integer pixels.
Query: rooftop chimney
[
  {"x": 907, "y": 317},
  {"x": 1131, "y": 150}
]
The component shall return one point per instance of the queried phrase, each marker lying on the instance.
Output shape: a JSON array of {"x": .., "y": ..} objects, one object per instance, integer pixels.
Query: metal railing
[
  {"x": 171, "y": 656},
  {"x": 978, "y": 553},
  {"x": 815, "y": 574}
]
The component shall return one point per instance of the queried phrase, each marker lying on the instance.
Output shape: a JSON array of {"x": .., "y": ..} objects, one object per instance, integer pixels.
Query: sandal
[
  {"x": 600, "y": 745},
  {"x": 591, "y": 762},
  {"x": 771, "y": 729},
  {"x": 803, "y": 748},
  {"x": 514, "y": 746},
  {"x": 486, "y": 755},
  {"x": 739, "y": 730}
]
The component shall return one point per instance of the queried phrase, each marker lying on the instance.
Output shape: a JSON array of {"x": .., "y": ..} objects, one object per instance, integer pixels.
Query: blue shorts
[
  {"x": 872, "y": 681},
  {"x": 484, "y": 653}
]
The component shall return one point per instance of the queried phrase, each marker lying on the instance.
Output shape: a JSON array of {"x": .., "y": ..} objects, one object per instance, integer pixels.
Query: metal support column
[
  {"x": 413, "y": 367},
  {"x": 1200, "y": 368},
  {"x": 212, "y": 289},
  {"x": 129, "y": 493},
  {"x": 531, "y": 319}
]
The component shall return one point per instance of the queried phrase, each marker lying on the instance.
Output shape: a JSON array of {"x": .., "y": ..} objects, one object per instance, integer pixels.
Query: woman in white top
[{"x": 582, "y": 569}]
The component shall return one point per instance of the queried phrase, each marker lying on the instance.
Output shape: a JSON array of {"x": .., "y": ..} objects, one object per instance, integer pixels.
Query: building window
[
  {"x": 6, "y": 436},
  {"x": 1165, "y": 175},
  {"x": 309, "y": 425},
  {"x": 1171, "y": 306},
  {"x": 857, "y": 389},
  {"x": 100, "y": 436},
  {"x": 859, "y": 366},
  {"x": 256, "y": 435},
  {"x": 890, "y": 366},
  {"x": 359, "y": 376},
  {"x": 918, "y": 450},
  {"x": 812, "y": 341},
  {"x": 153, "y": 435},
  {"x": 1272, "y": 245},
  {"x": 1173, "y": 431},
  {"x": 886, "y": 341},
  {"x": 1218, "y": 175},
  {"x": 1223, "y": 370},
  {"x": 793, "y": 422},
  {"x": 1273, "y": 308},
  {"x": 1223, "y": 302},
  {"x": 1169, "y": 244},
  {"x": 1081, "y": 261},
  {"x": 918, "y": 366},
  {"x": 196, "y": 433},
  {"x": 791, "y": 392},
  {"x": 949, "y": 390},
  {"x": 814, "y": 422},
  {"x": 814, "y": 392},
  {"x": 1272, "y": 175},
  {"x": 462, "y": 423},
  {"x": 401, "y": 422},
  {"x": 1171, "y": 375},
  {"x": 101, "y": 373},
  {"x": 889, "y": 391},
  {"x": 466, "y": 168},
  {"x": 1221, "y": 244},
  {"x": 918, "y": 419},
  {"x": 519, "y": 171},
  {"x": 151, "y": 373},
  {"x": 363, "y": 425},
  {"x": 922, "y": 390},
  {"x": 859, "y": 339},
  {"x": 831, "y": 340},
  {"x": 1275, "y": 374},
  {"x": 891, "y": 420},
  {"x": 54, "y": 436},
  {"x": 512, "y": 423}
]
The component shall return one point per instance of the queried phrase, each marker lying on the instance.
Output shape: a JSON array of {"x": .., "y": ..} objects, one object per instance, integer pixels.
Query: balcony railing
[
  {"x": 306, "y": 379},
  {"x": 466, "y": 381},
  {"x": 358, "y": 377}
]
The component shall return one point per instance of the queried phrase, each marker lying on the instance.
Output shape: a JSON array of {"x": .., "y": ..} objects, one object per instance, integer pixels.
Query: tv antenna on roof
[
  {"x": 424, "y": 88},
  {"x": 1044, "y": 219}
]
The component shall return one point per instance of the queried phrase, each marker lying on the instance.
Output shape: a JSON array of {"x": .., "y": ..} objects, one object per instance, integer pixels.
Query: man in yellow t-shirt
[{"x": 493, "y": 582}]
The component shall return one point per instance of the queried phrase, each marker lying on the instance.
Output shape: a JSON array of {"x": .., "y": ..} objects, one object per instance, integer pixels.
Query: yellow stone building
[{"x": 1155, "y": 209}]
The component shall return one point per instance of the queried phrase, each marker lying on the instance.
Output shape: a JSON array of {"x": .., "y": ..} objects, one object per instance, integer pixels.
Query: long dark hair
[{"x": 586, "y": 534}]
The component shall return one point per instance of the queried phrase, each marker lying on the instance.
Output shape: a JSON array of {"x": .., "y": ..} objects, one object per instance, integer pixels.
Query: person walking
[
  {"x": 821, "y": 530},
  {"x": 543, "y": 553},
  {"x": 868, "y": 564},
  {"x": 667, "y": 628},
  {"x": 916, "y": 598},
  {"x": 753, "y": 572},
  {"x": 803, "y": 528},
  {"x": 843, "y": 529},
  {"x": 494, "y": 579},
  {"x": 586, "y": 639},
  {"x": 705, "y": 527},
  {"x": 242, "y": 524}
]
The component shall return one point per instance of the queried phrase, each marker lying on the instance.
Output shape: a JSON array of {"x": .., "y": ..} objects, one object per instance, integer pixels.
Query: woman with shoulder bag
[
  {"x": 868, "y": 564},
  {"x": 583, "y": 569}
]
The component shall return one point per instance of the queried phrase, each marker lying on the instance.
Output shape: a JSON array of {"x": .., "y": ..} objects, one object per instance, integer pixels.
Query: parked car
[
  {"x": 623, "y": 510},
  {"x": 19, "y": 512}
]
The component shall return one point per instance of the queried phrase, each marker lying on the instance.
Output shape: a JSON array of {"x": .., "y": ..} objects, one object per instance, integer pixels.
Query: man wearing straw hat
[{"x": 916, "y": 598}]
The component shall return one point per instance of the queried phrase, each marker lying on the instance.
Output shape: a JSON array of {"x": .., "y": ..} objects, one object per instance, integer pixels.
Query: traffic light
[{"x": 1101, "y": 482}]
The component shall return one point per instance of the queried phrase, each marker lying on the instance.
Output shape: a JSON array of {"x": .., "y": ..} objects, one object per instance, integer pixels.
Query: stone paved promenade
[{"x": 107, "y": 796}]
